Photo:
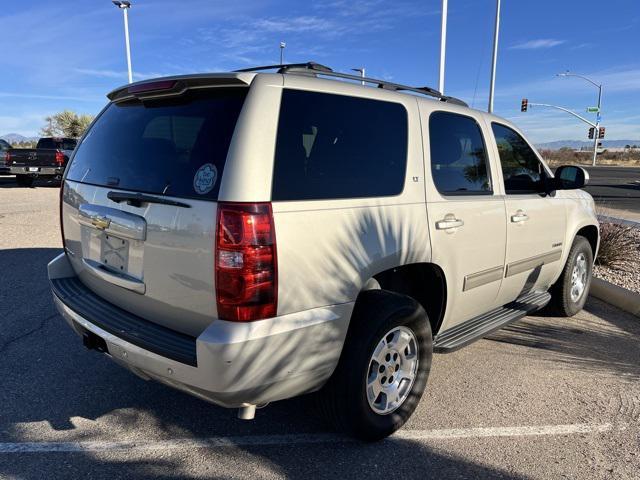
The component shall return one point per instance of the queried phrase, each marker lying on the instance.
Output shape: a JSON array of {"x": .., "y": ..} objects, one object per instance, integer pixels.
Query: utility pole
[
  {"x": 282, "y": 47},
  {"x": 598, "y": 112},
  {"x": 125, "y": 6},
  {"x": 496, "y": 34},
  {"x": 443, "y": 45}
]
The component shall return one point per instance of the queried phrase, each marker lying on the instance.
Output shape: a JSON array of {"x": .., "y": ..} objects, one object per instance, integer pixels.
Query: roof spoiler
[{"x": 174, "y": 86}]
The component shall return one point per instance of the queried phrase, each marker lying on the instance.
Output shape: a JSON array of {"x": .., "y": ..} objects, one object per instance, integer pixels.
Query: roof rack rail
[
  {"x": 282, "y": 68},
  {"x": 318, "y": 69}
]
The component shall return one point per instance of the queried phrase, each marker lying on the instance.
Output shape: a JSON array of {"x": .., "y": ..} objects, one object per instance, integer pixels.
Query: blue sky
[{"x": 69, "y": 54}]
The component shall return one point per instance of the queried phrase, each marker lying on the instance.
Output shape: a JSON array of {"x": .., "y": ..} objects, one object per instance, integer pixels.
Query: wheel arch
[
  {"x": 592, "y": 234},
  {"x": 424, "y": 282}
]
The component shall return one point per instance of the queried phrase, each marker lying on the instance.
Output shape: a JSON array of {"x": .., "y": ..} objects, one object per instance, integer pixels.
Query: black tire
[
  {"x": 343, "y": 400},
  {"x": 24, "y": 180},
  {"x": 561, "y": 302}
]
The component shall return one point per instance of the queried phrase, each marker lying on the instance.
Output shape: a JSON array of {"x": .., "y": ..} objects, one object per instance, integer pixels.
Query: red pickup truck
[{"x": 48, "y": 159}]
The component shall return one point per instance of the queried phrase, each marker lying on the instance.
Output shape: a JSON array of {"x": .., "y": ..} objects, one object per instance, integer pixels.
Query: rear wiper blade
[{"x": 136, "y": 199}]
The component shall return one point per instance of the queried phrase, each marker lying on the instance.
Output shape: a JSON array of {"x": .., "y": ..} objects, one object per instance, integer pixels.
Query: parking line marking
[{"x": 292, "y": 439}]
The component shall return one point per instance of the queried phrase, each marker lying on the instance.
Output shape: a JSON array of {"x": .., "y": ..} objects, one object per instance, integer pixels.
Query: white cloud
[
  {"x": 37, "y": 96},
  {"x": 537, "y": 44},
  {"x": 296, "y": 24},
  {"x": 120, "y": 74},
  {"x": 27, "y": 124}
]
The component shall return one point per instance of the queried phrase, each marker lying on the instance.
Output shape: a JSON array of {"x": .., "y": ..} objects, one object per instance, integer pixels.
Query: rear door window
[
  {"x": 458, "y": 155},
  {"x": 336, "y": 146},
  {"x": 175, "y": 146}
]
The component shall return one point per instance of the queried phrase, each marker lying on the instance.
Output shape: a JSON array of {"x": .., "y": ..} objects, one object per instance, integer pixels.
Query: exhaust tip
[{"x": 247, "y": 412}]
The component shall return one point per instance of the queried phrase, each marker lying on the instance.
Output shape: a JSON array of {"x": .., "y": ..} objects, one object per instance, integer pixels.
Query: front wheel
[
  {"x": 383, "y": 369},
  {"x": 570, "y": 292}
]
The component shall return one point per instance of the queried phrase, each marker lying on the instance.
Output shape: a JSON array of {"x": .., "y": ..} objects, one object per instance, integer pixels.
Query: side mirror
[{"x": 570, "y": 177}]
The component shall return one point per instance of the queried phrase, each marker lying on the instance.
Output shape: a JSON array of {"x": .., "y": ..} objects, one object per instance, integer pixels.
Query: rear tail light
[
  {"x": 246, "y": 262},
  {"x": 59, "y": 158},
  {"x": 7, "y": 158}
]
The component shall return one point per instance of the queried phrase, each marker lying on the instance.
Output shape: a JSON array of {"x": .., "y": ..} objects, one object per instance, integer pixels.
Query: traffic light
[
  {"x": 525, "y": 104},
  {"x": 601, "y": 132},
  {"x": 591, "y": 132}
]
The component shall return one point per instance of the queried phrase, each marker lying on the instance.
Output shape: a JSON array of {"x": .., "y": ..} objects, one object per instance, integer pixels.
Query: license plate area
[
  {"x": 34, "y": 169},
  {"x": 114, "y": 253}
]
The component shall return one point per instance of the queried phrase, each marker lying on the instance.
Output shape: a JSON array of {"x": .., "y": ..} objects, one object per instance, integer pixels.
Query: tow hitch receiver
[{"x": 93, "y": 342}]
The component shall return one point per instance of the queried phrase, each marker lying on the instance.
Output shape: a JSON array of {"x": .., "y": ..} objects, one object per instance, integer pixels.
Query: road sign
[{"x": 593, "y": 110}]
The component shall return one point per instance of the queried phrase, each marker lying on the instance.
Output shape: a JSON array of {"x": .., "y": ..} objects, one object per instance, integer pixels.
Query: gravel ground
[{"x": 629, "y": 279}]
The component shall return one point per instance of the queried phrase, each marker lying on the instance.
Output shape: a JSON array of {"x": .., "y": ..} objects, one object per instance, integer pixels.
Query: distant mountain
[
  {"x": 16, "y": 137},
  {"x": 586, "y": 144}
]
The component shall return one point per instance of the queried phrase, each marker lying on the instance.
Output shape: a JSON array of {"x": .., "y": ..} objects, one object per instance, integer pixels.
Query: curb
[
  {"x": 617, "y": 296},
  {"x": 610, "y": 219}
]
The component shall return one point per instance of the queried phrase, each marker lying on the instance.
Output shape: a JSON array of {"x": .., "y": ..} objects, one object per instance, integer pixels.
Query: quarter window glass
[
  {"x": 336, "y": 146},
  {"x": 458, "y": 155},
  {"x": 521, "y": 169}
]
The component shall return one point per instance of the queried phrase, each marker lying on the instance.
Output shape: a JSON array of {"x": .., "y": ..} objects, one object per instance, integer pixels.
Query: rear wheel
[
  {"x": 383, "y": 369},
  {"x": 24, "y": 180},
  {"x": 570, "y": 292}
]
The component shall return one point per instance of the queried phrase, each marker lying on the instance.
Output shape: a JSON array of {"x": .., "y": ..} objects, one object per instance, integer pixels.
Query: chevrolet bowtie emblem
[{"x": 100, "y": 222}]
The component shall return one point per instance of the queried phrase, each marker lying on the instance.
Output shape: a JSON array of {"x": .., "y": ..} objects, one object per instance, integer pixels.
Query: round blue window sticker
[{"x": 205, "y": 178}]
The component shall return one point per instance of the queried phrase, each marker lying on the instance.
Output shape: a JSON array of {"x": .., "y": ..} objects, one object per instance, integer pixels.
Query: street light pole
[
  {"x": 125, "y": 6},
  {"x": 496, "y": 34},
  {"x": 597, "y": 124},
  {"x": 282, "y": 46},
  {"x": 443, "y": 45}
]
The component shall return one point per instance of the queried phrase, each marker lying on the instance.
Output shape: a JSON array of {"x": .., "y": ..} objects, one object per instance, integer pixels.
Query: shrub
[{"x": 619, "y": 246}]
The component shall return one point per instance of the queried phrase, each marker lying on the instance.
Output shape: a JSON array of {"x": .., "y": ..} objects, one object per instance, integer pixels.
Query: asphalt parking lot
[
  {"x": 543, "y": 398},
  {"x": 616, "y": 190}
]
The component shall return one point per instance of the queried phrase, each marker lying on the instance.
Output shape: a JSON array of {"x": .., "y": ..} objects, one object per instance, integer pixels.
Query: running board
[{"x": 481, "y": 326}]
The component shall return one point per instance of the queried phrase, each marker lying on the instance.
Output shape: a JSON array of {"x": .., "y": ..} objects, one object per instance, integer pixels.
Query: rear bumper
[
  {"x": 236, "y": 363},
  {"x": 41, "y": 170}
]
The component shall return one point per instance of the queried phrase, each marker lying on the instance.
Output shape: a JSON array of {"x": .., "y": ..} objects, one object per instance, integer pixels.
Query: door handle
[
  {"x": 519, "y": 217},
  {"x": 449, "y": 222}
]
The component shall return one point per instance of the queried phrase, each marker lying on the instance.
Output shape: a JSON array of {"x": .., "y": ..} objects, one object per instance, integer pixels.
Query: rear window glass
[
  {"x": 57, "y": 143},
  {"x": 335, "y": 146},
  {"x": 46, "y": 143},
  {"x": 174, "y": 147}
]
